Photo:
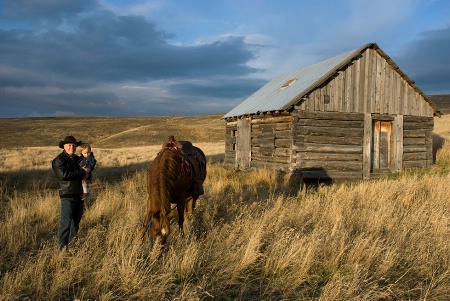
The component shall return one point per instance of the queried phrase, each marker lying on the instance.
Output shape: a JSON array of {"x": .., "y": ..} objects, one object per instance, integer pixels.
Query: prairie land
[{"x": 252, "y": 237}]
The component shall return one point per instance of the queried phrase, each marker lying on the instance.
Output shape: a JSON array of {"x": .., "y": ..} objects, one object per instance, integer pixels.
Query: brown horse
[{"x": 175, "y": 176}]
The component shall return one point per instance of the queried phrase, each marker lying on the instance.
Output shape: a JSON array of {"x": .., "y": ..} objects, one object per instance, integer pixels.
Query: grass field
[{"x": 253, "y": 236}]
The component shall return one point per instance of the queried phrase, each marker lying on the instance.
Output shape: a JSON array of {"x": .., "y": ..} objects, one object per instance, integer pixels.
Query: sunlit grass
[{"x": 252, "y": 237}]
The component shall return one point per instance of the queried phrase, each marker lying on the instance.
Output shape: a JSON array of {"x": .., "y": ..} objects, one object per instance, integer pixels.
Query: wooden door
[{"x": 381, "y": 153}]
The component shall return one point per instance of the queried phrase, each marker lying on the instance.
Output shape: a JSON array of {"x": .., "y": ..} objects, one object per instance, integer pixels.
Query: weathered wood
[
  {"x": 330, "y": 131},
  {"x": 329, "y": 148},
  {"x": 243, "y": 144},
  {"x": 330, "y": 115},
  {"x": 283, "y": 142},
  {"x": 328, "y": 140},
  {"x": 331, "y": 123},
  {"x": 414, "y": 164},
  {"x": 418, "y": 125},
  {"x": 417, "y": 156},
  {"x": 366, "y": 144},
  {"x": 329, "y": 156},
  {"x": 271, "y": 120},
  {"x": 265, "y": 150},
  {"x": 261, "y": 135},
  {"x": 414, "y": 141},
  {"x": 259, "y": 157},
  {"x": 416, "y": 133},
  {"x": 414, "y": 148},
  {"x": 270, "y": 165},
  {"x": 283, "y": 134},
  {"x": 279, "y": 151},
  {"x": 324, "y": 174},
  {"x": 263, "y": 142},
  {"x": 331, "y": 165},
  {"x": 334, "y": 133},
  {"x": 398, "y": 134},
  {"x": 383, "y": 117},
  {"x": 271, "y": 135}
]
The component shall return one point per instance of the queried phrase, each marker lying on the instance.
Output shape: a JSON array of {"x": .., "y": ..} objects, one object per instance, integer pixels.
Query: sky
[{"x": 197, "y": 57}]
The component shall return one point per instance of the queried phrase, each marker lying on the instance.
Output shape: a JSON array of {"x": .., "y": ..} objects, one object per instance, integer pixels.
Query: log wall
[
  {"x": 230, "y": 144},
  {"x": 271, "y": 140},
  {"x": 417, "y": 142},
  {"x": 329, "y": 145}
]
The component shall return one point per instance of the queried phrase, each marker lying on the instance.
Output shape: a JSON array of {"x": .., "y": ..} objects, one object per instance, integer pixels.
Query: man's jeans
[{"x": 71, "y": 213}]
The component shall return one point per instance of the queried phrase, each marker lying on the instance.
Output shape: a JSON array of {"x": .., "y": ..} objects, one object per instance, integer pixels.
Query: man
[{"x": 70, "y": 174}]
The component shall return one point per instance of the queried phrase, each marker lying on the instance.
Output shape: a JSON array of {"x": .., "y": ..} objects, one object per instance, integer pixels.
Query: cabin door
[
  {"x": 381, "y": 153},
  {"x": 243, "y": 144}
]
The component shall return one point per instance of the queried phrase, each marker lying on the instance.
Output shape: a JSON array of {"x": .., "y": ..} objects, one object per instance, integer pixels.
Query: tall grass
[{"x": 253, "y": 237}]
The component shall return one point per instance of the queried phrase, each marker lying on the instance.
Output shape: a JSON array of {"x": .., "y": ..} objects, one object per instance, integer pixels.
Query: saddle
[{"x": 196, "y": 160}]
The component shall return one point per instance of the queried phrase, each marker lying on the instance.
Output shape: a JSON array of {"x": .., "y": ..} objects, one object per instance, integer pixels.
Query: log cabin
[{"x": 354, "y": 116}]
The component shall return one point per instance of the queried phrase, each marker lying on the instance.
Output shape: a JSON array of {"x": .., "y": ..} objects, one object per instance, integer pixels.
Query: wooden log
[
  {"x": 422, "y": 156},
  {"x": 419, "y": 124},
  {"x": 383, "y": 117},
  {"x": 330, "y": 165},
  {"x": 331, "y": 131},
  {"x": 413, "y": 141},
  {"x": 316, "y": 156},
  {"x": 283, "y": 142},
  {"x": 283, "y": 152},
  {"x": 259, "y": 157},
  {"x": 271, "y": 120},
  {"x": 265, "y": 150},
  {"x": 329, "y": 148},
  {"x": 330, "y": 115},
  {"x": 324, "y": 174},
  {"x": 261, "y": 136},
  {"x": 414, "y": 164},
  {"x": 331, "y": 123},
  {"x": 328, "y": 140},
  {"x": 414, "y": 148},
  {"x": 416, "y": 133},
  {"x": 283, "y": 134},
  {"x": 270, "y": 165}
]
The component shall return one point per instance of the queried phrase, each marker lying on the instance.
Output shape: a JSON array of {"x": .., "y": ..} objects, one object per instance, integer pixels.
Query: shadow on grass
[{"x": 40, "y": 179}]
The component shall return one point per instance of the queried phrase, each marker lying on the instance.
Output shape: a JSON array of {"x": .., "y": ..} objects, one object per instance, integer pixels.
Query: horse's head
[{"x": 159, "y": 229}]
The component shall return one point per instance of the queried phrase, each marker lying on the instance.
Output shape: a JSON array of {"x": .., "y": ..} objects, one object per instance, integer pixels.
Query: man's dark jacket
[{"x": 69, "y": 173}]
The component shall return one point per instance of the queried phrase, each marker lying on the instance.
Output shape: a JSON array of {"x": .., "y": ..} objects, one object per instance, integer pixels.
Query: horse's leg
[
  {"x": 148, "y": 217},
  {"x": 181, "y": 207},
  {"x": 190, "y": 204}
]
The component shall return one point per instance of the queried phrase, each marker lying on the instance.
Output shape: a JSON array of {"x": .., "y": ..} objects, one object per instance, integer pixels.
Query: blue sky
[{"x": 196, "y": 57}]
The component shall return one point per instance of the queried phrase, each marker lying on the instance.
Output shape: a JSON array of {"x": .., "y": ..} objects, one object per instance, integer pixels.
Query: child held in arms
[{"x": 88, "y": 161}]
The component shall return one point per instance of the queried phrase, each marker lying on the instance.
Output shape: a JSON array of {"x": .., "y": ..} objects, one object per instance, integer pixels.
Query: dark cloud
[
  {"x": 44, "y": 12},
  {"x": 46, "y": 68},
  {"x": 427, "y": 61}
]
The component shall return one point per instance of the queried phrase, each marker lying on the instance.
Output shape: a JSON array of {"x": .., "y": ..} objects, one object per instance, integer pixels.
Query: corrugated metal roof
[
  {"x": 273, "y": 97},
  {"x": 285, "y": 90}
]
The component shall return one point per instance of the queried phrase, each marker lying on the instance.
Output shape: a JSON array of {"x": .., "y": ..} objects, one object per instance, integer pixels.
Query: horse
[{"x": 175, "y": 176}]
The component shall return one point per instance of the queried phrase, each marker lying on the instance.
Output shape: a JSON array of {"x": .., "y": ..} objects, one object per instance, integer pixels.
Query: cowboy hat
[{"x": 69, "y": 139}]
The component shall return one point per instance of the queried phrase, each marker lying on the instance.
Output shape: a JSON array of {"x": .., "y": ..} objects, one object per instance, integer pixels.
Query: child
[{"x": 88, "y": 161}]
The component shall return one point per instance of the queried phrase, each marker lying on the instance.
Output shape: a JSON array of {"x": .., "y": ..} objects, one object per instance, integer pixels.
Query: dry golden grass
[{"x": 253, "y": 236}]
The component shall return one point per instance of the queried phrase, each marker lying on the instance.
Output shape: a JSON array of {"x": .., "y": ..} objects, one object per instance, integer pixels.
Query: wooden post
[
  {"x": 398, "y": 144},
  {"x": 367, "y": 146}
]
